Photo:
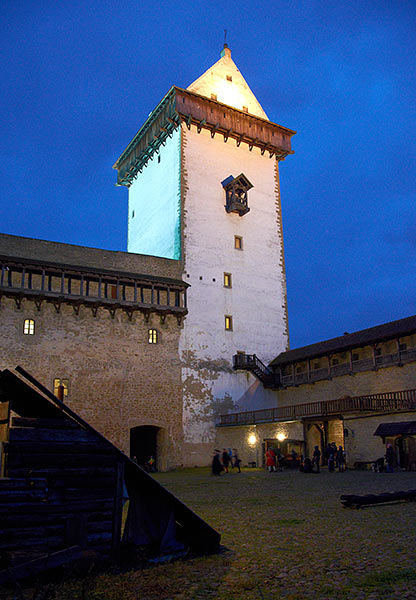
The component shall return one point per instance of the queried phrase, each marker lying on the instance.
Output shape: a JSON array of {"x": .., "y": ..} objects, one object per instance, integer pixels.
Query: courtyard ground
[{"x": 286, "y": 535}]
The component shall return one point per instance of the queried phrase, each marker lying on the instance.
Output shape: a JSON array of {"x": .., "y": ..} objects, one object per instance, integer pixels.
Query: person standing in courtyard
[
  {"x": 225, "y": 459},
  {"x": 390, "y": 458},
  {"x": 237, "y": 460},
  {"x": 270, "y": 460},
  {"x": 317, "y": 458},
  {"x": 340, "y": 459},
  {"x": 216, "y": 463}
]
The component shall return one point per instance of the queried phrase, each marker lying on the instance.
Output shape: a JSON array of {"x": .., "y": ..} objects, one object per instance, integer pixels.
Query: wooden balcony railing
[
  {"x": 74, "y": 285},
  {"x": 390, "y": 401}
]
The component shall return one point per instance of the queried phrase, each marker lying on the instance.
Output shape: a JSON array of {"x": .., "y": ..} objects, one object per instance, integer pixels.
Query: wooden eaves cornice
[{"x": 182, "y": 106}]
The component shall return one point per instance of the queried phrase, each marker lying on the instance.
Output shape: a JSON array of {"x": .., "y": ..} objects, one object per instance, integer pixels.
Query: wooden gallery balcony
[
  {"x": 59, "y": 284},
  {"x": 376, "y": 403}
]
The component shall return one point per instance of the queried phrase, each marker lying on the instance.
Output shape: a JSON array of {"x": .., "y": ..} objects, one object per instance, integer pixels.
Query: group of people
[
  {"x": 334, "y": 458},
  {"x": 222, "y": 461}
]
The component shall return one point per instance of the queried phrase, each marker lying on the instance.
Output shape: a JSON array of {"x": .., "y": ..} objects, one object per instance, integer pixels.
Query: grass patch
[{"x": 288, "y": 537}]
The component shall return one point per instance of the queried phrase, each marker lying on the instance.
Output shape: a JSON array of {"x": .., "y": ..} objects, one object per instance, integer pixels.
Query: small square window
[
  {"x": 213, "y": 96},
  {"x": 29, "y": 327},
  {"x": 227, "y": 280},
  {"x": 228, "y": 322},
  {"x": 238, "y": 242},
  {"x": 153, "y": 336},
  {"x": 245, "y": 109},
  {"x": 229, "y": 78},
  {"x": 57, "y": 382}
]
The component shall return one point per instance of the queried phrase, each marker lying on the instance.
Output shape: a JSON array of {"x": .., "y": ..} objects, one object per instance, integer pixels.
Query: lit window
[
  {"x": 228, "y": 322},
  {"x": 29, "y": 327},
  {"x": 227, "y": 280},
  {"x": 153, "y": 336},
  {"x": 57, "y": 382},
  {"x": 238, "y": 242}
]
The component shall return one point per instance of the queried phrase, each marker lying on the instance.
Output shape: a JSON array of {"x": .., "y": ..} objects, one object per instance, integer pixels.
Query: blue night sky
[{"x": 79, "y": 78}]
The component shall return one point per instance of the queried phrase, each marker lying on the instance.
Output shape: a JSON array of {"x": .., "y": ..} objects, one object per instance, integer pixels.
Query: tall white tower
[{"x": 204, "y": 188}]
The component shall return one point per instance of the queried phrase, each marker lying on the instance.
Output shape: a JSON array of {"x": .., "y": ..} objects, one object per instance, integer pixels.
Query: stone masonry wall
[{"x": 117, "y": 380}]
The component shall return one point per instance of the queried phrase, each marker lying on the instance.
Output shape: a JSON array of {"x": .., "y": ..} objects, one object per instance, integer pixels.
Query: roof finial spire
[{"x": 225, "y": 51}]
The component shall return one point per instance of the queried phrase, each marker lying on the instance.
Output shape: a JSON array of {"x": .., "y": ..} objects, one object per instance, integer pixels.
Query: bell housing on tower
[{"x": 236, "y": 189}]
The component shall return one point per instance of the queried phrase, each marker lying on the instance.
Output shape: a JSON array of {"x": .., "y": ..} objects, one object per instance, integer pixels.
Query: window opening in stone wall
[
  {"x": 227, "y": 280},
  {"x": 402, "y": 347},
  {"x": 132, "y": 214},
  {"x": 213, "y": 96},
  {"x": 238, "y": 242},
  {"x": 228, "y": 322},
  {"x": 57, "y": 382},
  {"x": 245, "y": 109},
  {"x": 158, "y": 159},
  {"x": 29, "y": 327},
  {"x": 152, "y": 336},
  {"x": 229, "y": 78},
  {"x": 355, "y": 356}
]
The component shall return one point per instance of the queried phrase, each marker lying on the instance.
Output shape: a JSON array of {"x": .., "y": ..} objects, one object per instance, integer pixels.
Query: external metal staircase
[{"x": 251, "y": 362}]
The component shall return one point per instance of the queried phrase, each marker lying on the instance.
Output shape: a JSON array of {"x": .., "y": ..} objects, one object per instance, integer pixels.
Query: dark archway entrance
[{"x": 143, "y": 443}]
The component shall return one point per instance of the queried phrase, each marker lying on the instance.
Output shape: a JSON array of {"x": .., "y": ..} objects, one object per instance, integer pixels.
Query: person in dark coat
[
  {"x": 390, "y": 458},
  {"x": 216, "y": 463},
  {"x": 331, "y": 457},
  {"x": 340, "y": 459},
  {"x": 225, "y": 459},
  {"x": 237, "y": 460},
  {"x": 317, "y": 458}
]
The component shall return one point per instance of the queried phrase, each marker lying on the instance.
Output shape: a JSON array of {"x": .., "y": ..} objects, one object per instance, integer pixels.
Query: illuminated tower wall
[{"x": 206, "y": 135}]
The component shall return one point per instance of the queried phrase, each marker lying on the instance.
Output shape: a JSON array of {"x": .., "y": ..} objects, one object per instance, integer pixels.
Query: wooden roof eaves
[
  {"x": 93, "y": 270},
  {"x": 143, "y": 129},
  {"x": 235, "y": 110},
  {"x": 351, "y": 341},
  {"x": 172, "y": 92}
]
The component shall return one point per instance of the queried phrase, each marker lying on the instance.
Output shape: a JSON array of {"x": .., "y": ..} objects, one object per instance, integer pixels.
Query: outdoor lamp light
[
  {"x": 252, "y": 439},
  {"x": 281, "y": 437}
]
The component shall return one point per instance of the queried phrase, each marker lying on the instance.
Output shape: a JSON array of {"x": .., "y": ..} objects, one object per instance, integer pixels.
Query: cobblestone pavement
[{"x": 286, "y": 535}]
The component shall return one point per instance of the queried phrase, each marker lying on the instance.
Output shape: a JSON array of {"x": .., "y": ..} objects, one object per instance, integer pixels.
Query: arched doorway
[{"x": 143, "y": 444}]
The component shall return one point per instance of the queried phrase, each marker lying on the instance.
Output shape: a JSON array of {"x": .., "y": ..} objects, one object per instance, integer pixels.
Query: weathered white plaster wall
[
  {"x": 257, "y": 299},
  {"x": 154, "y": 199}
]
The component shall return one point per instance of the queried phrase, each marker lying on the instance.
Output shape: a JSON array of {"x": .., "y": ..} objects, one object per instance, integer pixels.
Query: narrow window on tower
[
  {"x": 153, "y": 336},
  {"x": 238, "y": 242},
  {"x": 29, "y": 327},
  {"x": 229, "y": 78},
  {"x": 227, "y": 280},
  {"x": 57, "y": 383},
  {"x": 228, "y": 322}
]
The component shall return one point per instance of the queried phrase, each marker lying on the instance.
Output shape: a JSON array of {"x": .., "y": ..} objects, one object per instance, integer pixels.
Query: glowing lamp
[
  {"x": 281, "y": 437},
  {"x": 252, "y": 439}
]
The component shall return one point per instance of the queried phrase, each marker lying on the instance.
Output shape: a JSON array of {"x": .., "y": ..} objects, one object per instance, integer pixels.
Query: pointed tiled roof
[{"x": 225, "y": 82}]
